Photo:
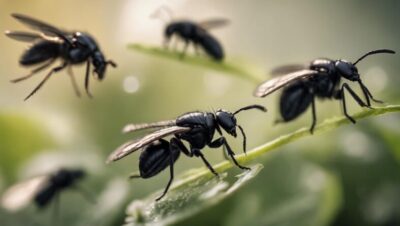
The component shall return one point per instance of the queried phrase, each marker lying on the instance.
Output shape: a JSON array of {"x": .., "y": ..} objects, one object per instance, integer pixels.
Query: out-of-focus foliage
[
  {"x": 21, "y": 138},
  {"x": 189, "y": 196},
  {"x": 231, "y": 68},
  {"x": 347, "y": 176}
]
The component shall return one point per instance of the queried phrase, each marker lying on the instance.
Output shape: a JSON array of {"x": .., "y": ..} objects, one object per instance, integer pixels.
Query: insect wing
[
  {"x": 274, "y": 84},
  {"x": 38, "y": 25},
  {"x": 20, "y": 195},
  {"x": 135, "y": 145},
  {"x": 23, "y": 36},
  {"x": 286, "y": 69},
  {"x": 135, "y": 127},
  {"x": 214, "y": 23}
]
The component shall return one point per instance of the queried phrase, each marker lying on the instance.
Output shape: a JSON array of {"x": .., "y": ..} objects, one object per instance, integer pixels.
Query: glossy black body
[
  {"x": 202, "y": 127},
  {"x": 298, "y": 95},
  {"x": 191, "y": 32},
  {"x": 62, "y": 179},
  {"x": 72, "y": 48},
  {"x": 156, "y": 157},
  {"x": 82, "y": 48}
]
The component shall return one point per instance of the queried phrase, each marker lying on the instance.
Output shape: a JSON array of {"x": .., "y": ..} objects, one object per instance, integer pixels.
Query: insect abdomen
[
  {"x": 294, "y": 101},
  {"x": 211, "y": 46},
  {"x": 45, "y": 195},
  {"x": 155, "y": 158},
  {"x": 40, "y": 52}
]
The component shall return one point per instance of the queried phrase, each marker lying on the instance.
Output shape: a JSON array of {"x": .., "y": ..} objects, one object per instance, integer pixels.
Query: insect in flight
[
  {"x": 196, "y": 128},
  {"x": 301, "y": 84},
  {"x": 194, "y": 33},
  {"x": 42, "y": 189},
  {"x": 52, "y": 43}
]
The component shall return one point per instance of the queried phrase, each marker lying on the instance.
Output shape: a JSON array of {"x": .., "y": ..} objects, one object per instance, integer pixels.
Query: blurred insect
[
  {"x": 320, "y": 79},
  {"x": 42, "y": 189},
  {"x": 196, "y": 128},
  {"x": 194, "y": 33},
  {"x": 72, "y": 47}
]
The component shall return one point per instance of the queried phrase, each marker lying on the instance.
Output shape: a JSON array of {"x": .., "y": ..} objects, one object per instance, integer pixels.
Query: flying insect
[
  {"x": 196, "y": 128},
  {"x": 322, "y": 78},
  {"x": 196, "y": 34},
  {"x": 50, "y": 43},
  {"x": 41, "y": 189}
]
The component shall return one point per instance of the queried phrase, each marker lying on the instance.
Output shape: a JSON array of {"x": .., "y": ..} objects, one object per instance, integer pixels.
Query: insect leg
[
  {"x": 87, "y": 79},
  {"x": 54, "y": 70},
  {"x": 368, "y": 94},
  {"x": 185, "y": 47},
  {"x": 198, "y": 153},
  {"x": 112, "y": 63},
  {"x": 73, "y": 81},
  {"x": 171, "y": 170},
  {"x": 178, "y": 144},
  {"x": 314, "y": 115},
  {"x": 343, "y": 98},
  {"x": 34, "y": 71},
  {"x": 134, "y": 175},
  {"x": 222, "y": 141},
  {"x": 372, "y": 97},
  {"x": 196, "y": 49},
  {"x": 354, "y": 95}
]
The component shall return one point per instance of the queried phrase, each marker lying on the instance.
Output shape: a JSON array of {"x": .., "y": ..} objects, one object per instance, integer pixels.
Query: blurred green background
[{"x": 346, "y": 177}]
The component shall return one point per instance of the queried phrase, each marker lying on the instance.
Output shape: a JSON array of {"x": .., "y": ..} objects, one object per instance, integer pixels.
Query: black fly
[
  {"x": 42, "y": 189},
  {"x": 53, "y": 43},
  {"x": 320, "y": 79},
  {"x": 196, "y": 128},
  {"x": 196, "y": 34}
]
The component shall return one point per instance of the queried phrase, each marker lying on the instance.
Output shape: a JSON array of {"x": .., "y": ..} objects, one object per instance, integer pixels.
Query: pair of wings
[
  {"x": 285, "y": 74},
  {"x": 22, "y": 194},
  {"x": 47, "y": 31},
  {"x": 167, "y": 128}
]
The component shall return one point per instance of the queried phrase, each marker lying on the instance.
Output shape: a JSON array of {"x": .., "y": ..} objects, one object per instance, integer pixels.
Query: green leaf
[
  {"x": 187, "y": 199},
  {"x": 21, "y": 137},
  {"x": 239, "y": 69},
  {"x": 186, "y": 192}
]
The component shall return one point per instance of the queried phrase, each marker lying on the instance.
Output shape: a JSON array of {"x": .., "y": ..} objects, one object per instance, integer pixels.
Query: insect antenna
[
  {"x": 255, "y": 106},
  {"x": 375, "y": 52},
  {"x": 244, "y": 139}
]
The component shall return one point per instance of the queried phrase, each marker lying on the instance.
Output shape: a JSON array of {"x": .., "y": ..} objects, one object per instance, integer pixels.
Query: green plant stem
[
  {"x": 282, "y": 140},
  {"x": 232, "y": 68}
]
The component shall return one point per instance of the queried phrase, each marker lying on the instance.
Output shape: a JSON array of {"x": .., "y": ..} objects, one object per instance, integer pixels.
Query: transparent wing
[
  {"x": 41, "y": 26},
  {"x": 286, "y": 69},
  {"x": 214, "y": 23},
  {"x": 20, "y": 195},
  {"x": 274, "y": 84},
  {"x": 135, "y": 127},
  {"x": 23, "y": 36},
  {"x": 135, "y": 145}
]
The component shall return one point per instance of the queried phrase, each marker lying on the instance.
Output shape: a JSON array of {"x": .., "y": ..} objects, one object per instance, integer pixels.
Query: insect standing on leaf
[
  {"x": 196, "y": 128},
  {"x": 42, "y": 189},
  {"x": 50, "y": 44},
  {"x": 194, "y": 33},
  {"x": 301, "y": 84}
]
